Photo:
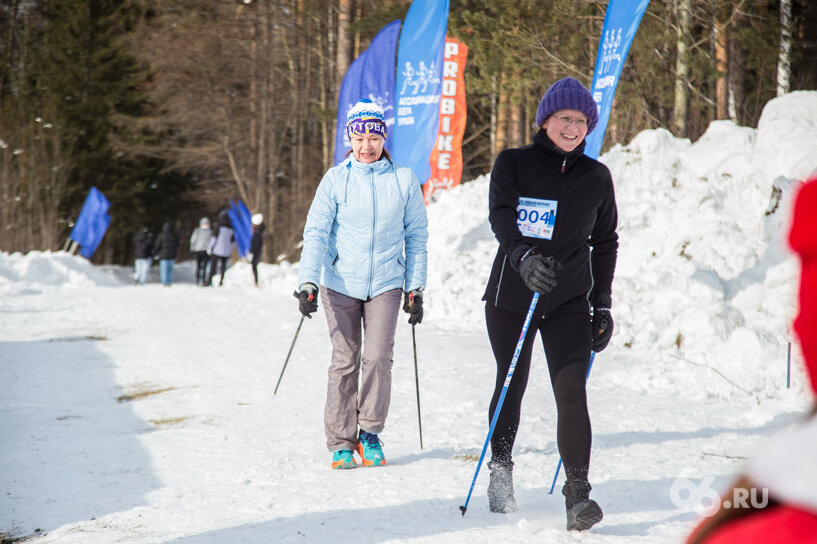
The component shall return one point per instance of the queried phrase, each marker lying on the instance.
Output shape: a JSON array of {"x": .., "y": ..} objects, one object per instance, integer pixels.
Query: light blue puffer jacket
[{"x": 361, "y": 220}]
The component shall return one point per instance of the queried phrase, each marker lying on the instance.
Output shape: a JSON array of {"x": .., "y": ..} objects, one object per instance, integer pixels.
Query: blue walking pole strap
[
  {"x": 494, "y": 419},
  {"x": 559, "y": 464}
]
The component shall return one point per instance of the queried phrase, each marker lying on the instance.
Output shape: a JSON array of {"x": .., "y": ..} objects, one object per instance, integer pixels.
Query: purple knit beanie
[{"x": 568, "y": 94}]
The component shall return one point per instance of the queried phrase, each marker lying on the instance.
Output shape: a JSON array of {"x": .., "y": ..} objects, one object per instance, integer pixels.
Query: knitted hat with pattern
[{"x": 366, "y": 117}]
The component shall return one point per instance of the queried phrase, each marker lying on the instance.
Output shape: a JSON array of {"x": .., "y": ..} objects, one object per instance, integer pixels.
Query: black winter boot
[
  {"x": 582, "y": 511},
  {"x": 500, "y": 488}
]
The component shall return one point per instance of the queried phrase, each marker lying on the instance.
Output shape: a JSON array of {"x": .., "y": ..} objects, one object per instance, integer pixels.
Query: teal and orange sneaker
[
  {"x": 369, "y": 449},
  {"x": 343, "y": 459}
]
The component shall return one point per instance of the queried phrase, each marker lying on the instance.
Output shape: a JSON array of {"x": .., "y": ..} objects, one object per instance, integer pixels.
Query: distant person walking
[
  {"x": 221, "y": 246},
  {"x": 199, "y": 245},
  {"x": 143, "y": 251},
  {"x": 365, "y": 237},
  {"x": 256, "y": 244},
  {"x": 166, "y": 248}
]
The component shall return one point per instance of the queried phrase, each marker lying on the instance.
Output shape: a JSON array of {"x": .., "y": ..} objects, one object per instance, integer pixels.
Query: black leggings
[
  {"x": 202, "y": 258},
  {"x": 567, "y": 342},
  {"x": 215, "y": 260}
]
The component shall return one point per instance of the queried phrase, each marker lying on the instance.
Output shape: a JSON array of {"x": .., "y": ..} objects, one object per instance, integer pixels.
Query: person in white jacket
[
  {"x": 365, "y": 244},
  {"x": 199, "y": 245},
  {"x": 221, "y": 247}
]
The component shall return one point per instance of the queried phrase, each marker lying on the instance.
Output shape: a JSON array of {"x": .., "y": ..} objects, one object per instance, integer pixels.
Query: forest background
[{"x": 173, "y": 107}]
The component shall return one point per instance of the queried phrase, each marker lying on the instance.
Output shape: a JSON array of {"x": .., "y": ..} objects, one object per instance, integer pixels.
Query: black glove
[
  {"x": 538, "y": 272},
  {"x": 602, "y": 328},
  {"x": 307, "y": 299},
  {"x": 413, "y": 305}
]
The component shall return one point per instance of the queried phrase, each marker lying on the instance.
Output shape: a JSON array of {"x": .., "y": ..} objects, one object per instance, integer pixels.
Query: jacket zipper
[
  {"x": 561, "y": 194},
  {"x": 374, "y": 227}
]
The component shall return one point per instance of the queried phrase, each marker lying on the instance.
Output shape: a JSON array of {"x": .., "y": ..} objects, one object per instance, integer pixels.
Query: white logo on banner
[
  {"x": 419, "y": 78},
  {"x": 417, "y": 81},
  {"x": 610, "y": 43}
]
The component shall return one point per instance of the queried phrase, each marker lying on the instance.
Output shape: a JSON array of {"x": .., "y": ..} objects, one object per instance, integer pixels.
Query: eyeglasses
[{"x": 581, "y": 122}]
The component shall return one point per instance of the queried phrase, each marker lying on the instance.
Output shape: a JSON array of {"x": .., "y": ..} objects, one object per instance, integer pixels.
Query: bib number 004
[{"x": 536, "y": 217}]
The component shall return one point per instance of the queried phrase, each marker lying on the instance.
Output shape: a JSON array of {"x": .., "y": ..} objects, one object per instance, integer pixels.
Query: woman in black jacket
[
  {"x": 553, "y": 211},
  {"x": 256, "y": 244}
]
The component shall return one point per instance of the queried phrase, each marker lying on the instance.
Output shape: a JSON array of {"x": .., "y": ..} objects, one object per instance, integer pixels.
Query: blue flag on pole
[
  {"x": 620, "y": 25},
  {"x": 242, "y": 226},
  {"x": 370, "y": 76},
  {"x": 92, "y": 223},
  {"x": 100, "y": 226},
  {"x": 419, "y": 85}
]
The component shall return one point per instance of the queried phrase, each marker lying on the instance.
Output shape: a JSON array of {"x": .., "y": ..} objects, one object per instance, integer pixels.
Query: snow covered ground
[{"x": 145, "y": 414}]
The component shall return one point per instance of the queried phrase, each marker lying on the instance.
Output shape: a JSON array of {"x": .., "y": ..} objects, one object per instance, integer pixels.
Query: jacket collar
[
  {"x": 542, "y": 142},
  {"x": 379, "y": 166}
]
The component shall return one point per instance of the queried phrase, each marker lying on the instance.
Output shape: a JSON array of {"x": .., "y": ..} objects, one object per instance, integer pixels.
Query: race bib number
[{"x": 536, "y": 218}]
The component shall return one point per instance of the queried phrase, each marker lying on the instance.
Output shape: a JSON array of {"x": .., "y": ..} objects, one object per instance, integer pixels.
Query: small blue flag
[
  {"x": 92, "y": 222},
  {"x": 242, "y": 226}
]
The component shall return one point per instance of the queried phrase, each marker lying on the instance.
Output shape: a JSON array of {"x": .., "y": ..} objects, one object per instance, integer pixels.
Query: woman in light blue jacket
[{"x": 365, "y": 244}]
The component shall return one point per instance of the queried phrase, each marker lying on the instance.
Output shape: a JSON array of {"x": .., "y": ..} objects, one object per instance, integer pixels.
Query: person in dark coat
[
  {"x": 143, "y": 251},
  {"x": 256, "y": 244},
  {"x": 166, "y": 248},
  {"x": 553, "y": 211}
]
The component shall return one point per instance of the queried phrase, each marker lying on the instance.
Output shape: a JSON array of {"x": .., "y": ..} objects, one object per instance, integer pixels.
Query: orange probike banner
[{"x": 446, "y": 157}]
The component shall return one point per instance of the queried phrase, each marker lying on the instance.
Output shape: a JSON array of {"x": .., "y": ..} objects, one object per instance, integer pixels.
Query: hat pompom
[
  {"x": 568, "y": 94},
  {"x": 257, "y": 219}
]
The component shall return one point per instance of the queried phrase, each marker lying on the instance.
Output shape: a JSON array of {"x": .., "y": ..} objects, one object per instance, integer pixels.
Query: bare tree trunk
[
  {"x": 784, "y": 58},
  {"x": 494, "y": 125},
  {"x": 328, "y": 129},
  {"x": 517, "y": 120},
  {"x": 502, "y": 116},
  {"x": 737, "y": 77},
  {"x": 722, "y": 64},
  {"x": 679, "y": 114},
  {"x": 344, "y": 52}
]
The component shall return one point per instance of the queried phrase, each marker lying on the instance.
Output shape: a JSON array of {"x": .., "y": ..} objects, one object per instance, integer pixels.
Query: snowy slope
[{"x": 145, "y": 414}]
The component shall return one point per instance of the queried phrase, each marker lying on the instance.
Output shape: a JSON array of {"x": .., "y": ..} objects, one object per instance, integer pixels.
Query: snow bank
[{"x": 39, "y": 270}]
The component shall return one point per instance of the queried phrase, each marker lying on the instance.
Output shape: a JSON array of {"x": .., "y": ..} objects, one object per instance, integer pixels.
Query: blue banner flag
[
  {"x": 419, "y": 85},
  {"x": 620, "y": 25},
  {"x": 100, "y": 226},
  {"x": 92, "y": 222},
  {"x": 242, "y": 226},
  {"x": 370, "y": 76}
]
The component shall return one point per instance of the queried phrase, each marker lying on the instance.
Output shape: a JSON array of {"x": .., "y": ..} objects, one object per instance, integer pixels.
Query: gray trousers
[{"x": 359, "y": 389}]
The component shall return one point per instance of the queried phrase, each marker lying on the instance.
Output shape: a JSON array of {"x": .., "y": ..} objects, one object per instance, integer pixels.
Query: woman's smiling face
[{"x": 566, "y": 129}]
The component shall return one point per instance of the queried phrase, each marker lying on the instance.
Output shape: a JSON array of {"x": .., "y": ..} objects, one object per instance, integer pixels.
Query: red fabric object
[
  {"x": 776, "y": 525},
  {"x": 803, "y": 240}
]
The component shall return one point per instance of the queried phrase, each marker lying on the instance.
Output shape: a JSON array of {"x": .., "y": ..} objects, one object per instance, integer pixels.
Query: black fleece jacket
[
  {"x": 586, "y": 217},
  {"x": 167, "y": 243}
]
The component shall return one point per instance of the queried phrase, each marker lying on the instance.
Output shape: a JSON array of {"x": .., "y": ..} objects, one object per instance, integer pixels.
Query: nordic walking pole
[
  {"x": 559, "y": 465},
  {"x": 301, "y": 322},
  {"x": 494, "y": 419},
  {"x": 417, "y": 383},
  {"x": 288, "y": 354}
]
